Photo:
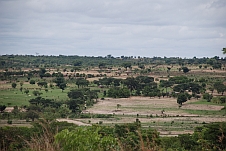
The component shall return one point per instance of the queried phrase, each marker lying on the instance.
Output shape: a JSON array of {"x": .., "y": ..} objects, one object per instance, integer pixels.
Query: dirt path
[{"x": 79, "y": 123}]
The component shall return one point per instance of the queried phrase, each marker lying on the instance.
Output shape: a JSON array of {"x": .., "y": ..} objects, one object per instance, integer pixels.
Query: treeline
[{"x": 31, "y": 61}]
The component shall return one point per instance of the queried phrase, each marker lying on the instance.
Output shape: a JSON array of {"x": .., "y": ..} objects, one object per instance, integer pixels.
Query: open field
[
  {"x": 173, "y": 121},
  {"x": 162, "y": 114}
]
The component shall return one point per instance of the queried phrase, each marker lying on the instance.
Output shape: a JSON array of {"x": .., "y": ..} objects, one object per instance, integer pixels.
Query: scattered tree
[{"x": 14, "y": 85}]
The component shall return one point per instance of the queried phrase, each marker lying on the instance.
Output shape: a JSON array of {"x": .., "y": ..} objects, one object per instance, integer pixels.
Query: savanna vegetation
[{"x": 125, "y": 103}]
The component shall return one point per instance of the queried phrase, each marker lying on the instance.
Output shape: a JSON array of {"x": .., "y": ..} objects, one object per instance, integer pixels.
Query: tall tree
[
  {"x": 220, "y": 87},
  {"x": 131, "y": 83},
  {"x": 59, "y": 80},
  {"x": 181, "y": 98},
  {"x": 224, "y": 50},
  {"x": 185, "y": 69},
  {"x": 14, "y": 85},
  {"x": 166, "y": 84},
  {"x": 127, "y": 65},
  {"x": 2, "y": 108}
]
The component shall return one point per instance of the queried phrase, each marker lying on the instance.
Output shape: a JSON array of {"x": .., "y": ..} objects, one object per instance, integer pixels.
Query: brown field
[{"x": 142, "y": 107}]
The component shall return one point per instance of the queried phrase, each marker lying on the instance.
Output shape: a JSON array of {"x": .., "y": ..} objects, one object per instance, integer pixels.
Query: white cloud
[{"x": 120, "y": 27}]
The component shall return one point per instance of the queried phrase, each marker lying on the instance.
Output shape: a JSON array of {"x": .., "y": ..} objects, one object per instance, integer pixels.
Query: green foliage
[
  {"x": 224, "y": 50},
  {"x": 219, "y": 99},
  {"x": 14, "y": 85},
  {"x": 220, "y": 87},
  {"x": 194, "y": 87},
  {"x": 131, "y": 137},
  {"x": 79, "y": 98},
  {"x": 207, "y": 97},
  {"x": 181, "y": 98},
  {"x": 2, "y": 108},
  {"x": 211, "y": 136},
  {"x": 59, "y": 80},
  {"x": 151, "y": 91},
  {"x": 77, "y": 63},
  {"x": 32, "y": 115},
  {"x": 179, "y": 79},
  {"x": 12, "y": 138},
  {"x": 166, "y": 84},
  {"x": 127, "y": 65},
  {"x": 131, "y": 83},
  {"x": 37, "y": 93},
  {"x": 85, "y": 138},
  {"x": 62, "y": 86},
  {"x": 26, "y": 91},
  {"x": 185, "y": 69},
  {"x": 82, "y": 82},
  {"x": 116, "y": 92},
  {"x": 32, "y": 81},
  {"x": 42, "y": 83}
]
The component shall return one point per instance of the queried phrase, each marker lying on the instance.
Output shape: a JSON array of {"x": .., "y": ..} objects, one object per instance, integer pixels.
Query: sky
[{"x": 171, "y": 28}]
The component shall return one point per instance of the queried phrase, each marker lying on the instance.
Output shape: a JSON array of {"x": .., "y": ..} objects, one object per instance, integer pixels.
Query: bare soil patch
[{"x": 146, "y": 106}]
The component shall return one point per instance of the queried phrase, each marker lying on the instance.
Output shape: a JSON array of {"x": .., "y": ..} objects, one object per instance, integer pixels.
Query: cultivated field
[{"x": 162, "y": 114}]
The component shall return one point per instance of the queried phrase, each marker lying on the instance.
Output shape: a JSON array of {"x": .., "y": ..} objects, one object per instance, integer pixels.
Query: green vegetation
[
  {"x": 43, "y": 136},
  {"x": 34, "y": 88}
]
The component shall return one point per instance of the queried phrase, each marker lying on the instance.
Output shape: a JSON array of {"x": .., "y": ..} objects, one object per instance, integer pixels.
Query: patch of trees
[
  {"x": 79, "y": 99},
  {"x": 29, "y": 61},
  {"x": 180, "y": 79},
  {"x": 220, "y": 87},
  {"x": 81, "y": 82},
  {"x": 115, "y": 92},
  {"x": 195, "y": 88}
]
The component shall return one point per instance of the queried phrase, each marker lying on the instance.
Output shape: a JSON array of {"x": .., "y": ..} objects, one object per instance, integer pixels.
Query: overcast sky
[{"x": 180, "y": 28}]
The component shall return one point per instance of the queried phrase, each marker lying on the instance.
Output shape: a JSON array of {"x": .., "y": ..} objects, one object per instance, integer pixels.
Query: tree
[
  {"x": 32, "y": 81},
  {"x": 64, "y": 111},
  {"x": 76, "y": 105},
  {"x": 102, "y": 65},
  {"x": 21, "y": 89},
  {"x": 32, "y": 115},
  {"x": 77, "y": 100},
  {"x": 26, "y": 91},
  {"x": 185, "y": 69},
  {"x": 14, "y": 85},
  {"x": 141, "y": 66},
  {"x": 42, "y": 83},
  {"x": 207, "y": 97},
  {"x": 42, "y": 72},
  {"x": 36, "y": 93},
  {"x": 181, "y": 98},
  {"x": 77, "y": 63},
  {"x": 85, "y": 138},
  {"x": 131, "y": 83},
  {"x": 82, "y": 82},
  {"x": 63, "y": 86},
  {"x": 127, "y": 65},
  {"x": 166, "y": 84},
  {"x": 59, "y": 80},
  {"x": 211, "y": 136},
  {"x": 2, "y": 108},
  {"x": 224, "y": 50},
  {"x": 211, "y": 89},
  {"x": 118, "y": 106},
  {"x": 118, "y": 92},
  {"x": 220, "y": 87}
]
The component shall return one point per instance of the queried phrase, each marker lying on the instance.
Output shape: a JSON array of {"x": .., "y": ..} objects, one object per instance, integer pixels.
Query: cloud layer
[{"x": 120, "y": 27}]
